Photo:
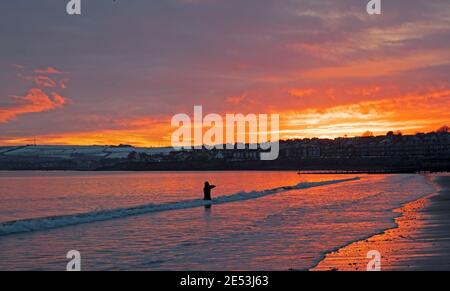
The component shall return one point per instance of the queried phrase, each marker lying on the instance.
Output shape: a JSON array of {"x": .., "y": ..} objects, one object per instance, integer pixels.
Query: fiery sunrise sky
[{"x": 120, "y": 71}]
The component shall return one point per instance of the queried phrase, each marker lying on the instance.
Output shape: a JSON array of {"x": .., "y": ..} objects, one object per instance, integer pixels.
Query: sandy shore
[{"x": 420, "y": 242}]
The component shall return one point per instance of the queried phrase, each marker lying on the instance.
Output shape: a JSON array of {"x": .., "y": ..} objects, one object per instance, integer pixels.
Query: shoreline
[{"x": 419, "y": 241}]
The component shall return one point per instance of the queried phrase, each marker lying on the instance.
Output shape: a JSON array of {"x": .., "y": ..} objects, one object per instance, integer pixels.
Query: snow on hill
[{"x": 73, "y": 152}]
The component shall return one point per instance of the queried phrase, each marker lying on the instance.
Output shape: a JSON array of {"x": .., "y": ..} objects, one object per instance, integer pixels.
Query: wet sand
[{"x": 420, "y": 242}]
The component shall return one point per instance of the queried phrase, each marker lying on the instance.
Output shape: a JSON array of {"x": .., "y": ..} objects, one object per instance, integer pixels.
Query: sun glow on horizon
[{"x": 403, "y": 114}]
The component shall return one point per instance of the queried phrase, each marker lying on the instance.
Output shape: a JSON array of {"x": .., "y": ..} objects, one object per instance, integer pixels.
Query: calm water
[{"x": 276, "y": 229}]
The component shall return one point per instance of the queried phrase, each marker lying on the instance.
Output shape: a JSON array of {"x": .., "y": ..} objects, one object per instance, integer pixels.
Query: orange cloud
[
  {"x": 35, "y": 101},
  {"x": 235, "y": 100},
  {"x": 49, "y": 71},
  {"x": 45, "y": 78},
  {"x": 146, "y": 131},
  {"x": 409, "y": 113},
  {"x": 302, "y": 92},
  {"x": 42, "y": 81},
  {"x": 63, "y": 83},
  {"x": 382, "y": 67},
  {"x": 18, "y": 66},
  {"x": 145, "y": 137}
]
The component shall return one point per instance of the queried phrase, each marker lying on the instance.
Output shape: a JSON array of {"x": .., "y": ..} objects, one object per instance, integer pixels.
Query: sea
[{"x": 257, "y": 220}]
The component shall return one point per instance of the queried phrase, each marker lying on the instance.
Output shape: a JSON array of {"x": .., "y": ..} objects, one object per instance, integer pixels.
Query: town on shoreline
[{"x": 392, "y": 152}]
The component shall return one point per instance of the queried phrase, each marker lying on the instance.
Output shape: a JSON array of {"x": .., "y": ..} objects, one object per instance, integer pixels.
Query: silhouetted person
[{"x": 207, "y": 190}]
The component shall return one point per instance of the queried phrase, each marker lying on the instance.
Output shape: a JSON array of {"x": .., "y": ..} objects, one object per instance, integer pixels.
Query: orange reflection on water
[{"x": 398, "y": 246}]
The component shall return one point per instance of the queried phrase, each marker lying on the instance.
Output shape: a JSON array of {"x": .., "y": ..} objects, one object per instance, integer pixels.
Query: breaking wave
[{"x": 45, "y": 223}]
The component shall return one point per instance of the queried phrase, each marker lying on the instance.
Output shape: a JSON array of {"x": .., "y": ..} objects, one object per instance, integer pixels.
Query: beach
[{"x": 420, "y": 242}]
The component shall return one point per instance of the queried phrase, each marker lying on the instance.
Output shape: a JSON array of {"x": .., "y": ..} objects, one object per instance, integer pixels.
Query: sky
[{"x": 118, "y": 73}]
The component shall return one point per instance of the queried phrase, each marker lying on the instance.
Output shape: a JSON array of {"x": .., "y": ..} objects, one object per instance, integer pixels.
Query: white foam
[{"x": 44, "y": 223}]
